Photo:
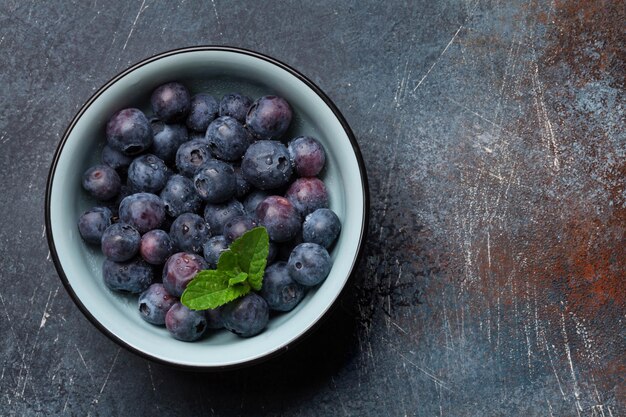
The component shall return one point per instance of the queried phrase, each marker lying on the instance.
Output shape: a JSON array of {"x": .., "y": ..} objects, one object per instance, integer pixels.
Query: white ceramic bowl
[{"x": 216, "y": 70}]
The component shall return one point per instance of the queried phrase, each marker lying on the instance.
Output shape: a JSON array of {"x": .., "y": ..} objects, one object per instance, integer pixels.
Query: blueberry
[
  {"x": 307, "y": 155},
  {"x": 269, "y": 117},
  {"x": 227, "y": 138},
  {"x": 217, "y": 215},
  {"x": 309, "y": 264},
  {"x": 235, "y": 105},
  {"x": 213, "y": 248},
  {"x": 93, "y": 223},
  {"x": 307, "y": 195},
  {"x": 180, "y": 269},
  {"x": 253, "y": 200},
  {"x": 189, "y": 232},
  {"x": 246, "y": 316},
  {"x": 120, "y": 242},
  {"x": 132, "y": 276},
  {"x": 279, "y": 217},
  {"x": 237, "y": 226},
  {"x": 180, "y": 196},
  {"x": 155, "y": 247},
  {"x": 148, "y": 173},
  {"x": 214, "y": 318},
  {"x": 116, "y": 160},
  {"x": 215, "y": 182},
  {"x": 171, "y": 102},
  {"x": 243, "y": 186},
  {"x": 266, "y": 165},
  {"x": 191, "y": 156},
  {"x": 143, "y": 211},
  {"x": 154, "y": 304},
  {"x": 204, "y": 109},
  {"x": 321, "y": 227},
  {"x": 167, "y": 139},
  {"x": 185, "y": 324},
  {"x": 102, "y": 182},
  {"x": 129, "y": 132},
  {"x": 280, "y": 291}
]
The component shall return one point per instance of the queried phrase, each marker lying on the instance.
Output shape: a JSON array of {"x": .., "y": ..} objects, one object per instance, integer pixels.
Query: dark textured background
[{"x": 493, "y": 282}]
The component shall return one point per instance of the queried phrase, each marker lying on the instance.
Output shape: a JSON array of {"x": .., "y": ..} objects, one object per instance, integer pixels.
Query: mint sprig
[{"x": 239, "y": 270}]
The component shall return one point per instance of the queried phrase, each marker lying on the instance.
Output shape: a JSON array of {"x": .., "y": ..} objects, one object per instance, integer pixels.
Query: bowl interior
[{"x": 216, "y": 72}]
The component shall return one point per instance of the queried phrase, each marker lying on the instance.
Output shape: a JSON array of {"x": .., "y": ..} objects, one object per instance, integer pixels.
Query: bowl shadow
[{"x": 296, "y": 373}]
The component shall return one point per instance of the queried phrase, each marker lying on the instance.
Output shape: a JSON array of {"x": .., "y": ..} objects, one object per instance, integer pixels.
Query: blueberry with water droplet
[
  {"x": 189, "y": 232},
  {"x": 148, "y": 173},
  {"x": 215, "y": 182},
  {"x": 192, "y": 156},
  {"x": 217, "y": 215},
  {"x": 266, "y": 165},
  {"x": 154, "y": 303},
  {"x": 235, "y": 105},
  {"x": 213, "y": 248},
  {"x": 132, "y": 276},
  {"x": 180, "y": 269},
  {"x": 227, "y": 138},
  {"x": 180, "y": 196},
  {"x": 203, "y": 110}
]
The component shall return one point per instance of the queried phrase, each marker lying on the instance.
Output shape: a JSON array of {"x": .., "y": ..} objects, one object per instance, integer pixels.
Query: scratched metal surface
[{"x": 493, "y": 278}]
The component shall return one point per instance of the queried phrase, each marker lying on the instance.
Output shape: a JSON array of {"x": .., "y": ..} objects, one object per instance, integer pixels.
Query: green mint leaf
[
  {"x": 238, "y": 279},
  {"x": 199, "y": 292},
  {"x": 210, "y": 289},
  {"x": 228, "y": 262},
  {"x": 239, "y": 270},
  {"x": 251, "y": 251}
]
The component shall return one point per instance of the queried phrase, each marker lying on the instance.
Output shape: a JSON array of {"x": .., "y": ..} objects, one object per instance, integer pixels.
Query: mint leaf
[
  {"x": 199, "y": 292},
  {"x": 196, "y": 298},
  {"x": 239, "y": 270},
  {"x": 210, "y": 289},
  {"x": 228, "y": 262},
  {"x": 251, "y": 250},
  {"x": 237, "y": 279}
]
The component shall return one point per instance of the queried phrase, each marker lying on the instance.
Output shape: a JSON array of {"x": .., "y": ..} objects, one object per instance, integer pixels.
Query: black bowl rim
[{"x": 364, "y": 224}]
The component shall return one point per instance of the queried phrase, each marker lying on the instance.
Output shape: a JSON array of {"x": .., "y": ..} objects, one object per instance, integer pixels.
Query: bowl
[{"x": 216, "y": 70}]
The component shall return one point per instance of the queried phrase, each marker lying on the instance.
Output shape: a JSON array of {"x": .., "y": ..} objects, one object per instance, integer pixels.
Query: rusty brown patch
[
  {"x": 570, "y": 260},
  {"x": 589, "y": 40},
  {"x": 590, "y": 37}
]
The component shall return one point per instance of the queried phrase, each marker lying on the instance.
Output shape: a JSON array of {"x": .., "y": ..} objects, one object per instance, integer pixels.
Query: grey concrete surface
[{"x": 492, "y": 284}]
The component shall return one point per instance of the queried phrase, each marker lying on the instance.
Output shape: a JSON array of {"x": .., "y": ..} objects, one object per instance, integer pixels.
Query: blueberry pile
[{"x": 176, "y": 188}]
